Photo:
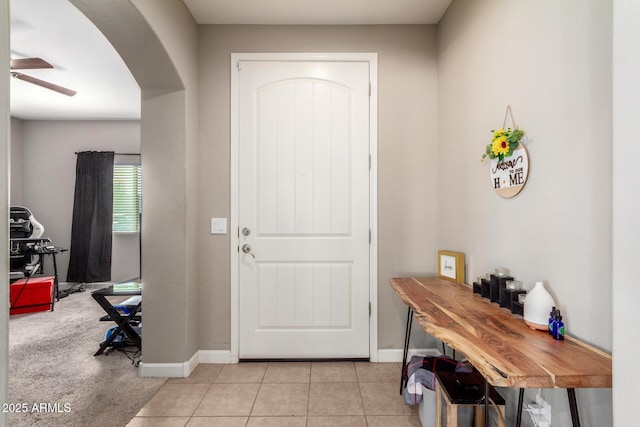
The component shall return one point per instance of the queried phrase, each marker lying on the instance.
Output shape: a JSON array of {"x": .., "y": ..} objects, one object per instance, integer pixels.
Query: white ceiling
[
  {"x": 317, "y": 12},
  {"x": 85, "y": 61}
]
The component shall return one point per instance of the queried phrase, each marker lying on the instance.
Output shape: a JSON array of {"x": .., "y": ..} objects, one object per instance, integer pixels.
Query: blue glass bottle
[
  {"x": 552, "y": 318},
  {"x": 559, "y": 328}
]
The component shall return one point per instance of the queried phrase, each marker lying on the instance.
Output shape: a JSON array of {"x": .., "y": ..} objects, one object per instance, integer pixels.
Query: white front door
[{"x": 303, "y": 209}]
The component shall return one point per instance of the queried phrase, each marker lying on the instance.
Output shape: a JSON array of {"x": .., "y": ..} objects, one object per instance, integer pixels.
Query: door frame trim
[{"x": 372, "y": 59}]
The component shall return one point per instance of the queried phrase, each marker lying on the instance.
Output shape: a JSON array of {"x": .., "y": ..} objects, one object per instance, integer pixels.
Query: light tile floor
[{"x": 282, "y": 394}]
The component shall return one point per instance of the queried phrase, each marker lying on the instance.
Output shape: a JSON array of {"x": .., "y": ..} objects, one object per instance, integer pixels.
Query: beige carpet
[{"x": 55, "y": 377}]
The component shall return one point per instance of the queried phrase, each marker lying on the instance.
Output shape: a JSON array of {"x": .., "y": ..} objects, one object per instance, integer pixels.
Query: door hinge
[
  {"x": 369, "y": 236},
  {"x": 369, "y": 308},
  {"x": 369, "y": 161},
  {"x": 369, "y": 88},
  {"x": 239, "y": 65}
]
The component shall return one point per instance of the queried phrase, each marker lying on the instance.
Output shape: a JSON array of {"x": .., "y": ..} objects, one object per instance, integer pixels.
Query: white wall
[
  {"x": 49, "y": 174},
  {"x": 551, "y": 61},
  {"x": 626, "y": 210}
]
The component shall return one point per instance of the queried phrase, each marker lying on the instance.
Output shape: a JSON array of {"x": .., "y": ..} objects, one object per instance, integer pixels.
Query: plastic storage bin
[{"x": 37, "y": 295}]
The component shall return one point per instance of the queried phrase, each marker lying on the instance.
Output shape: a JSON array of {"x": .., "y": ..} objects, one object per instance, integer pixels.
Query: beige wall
[
  {"x": 44, "y": 169},
  {"x": 559, "y": 87},
  {"x": 15, "y": 193},
  {"x": 157, "y": 40},
  {"x": 171, "y": 124},
  {"x": 407, "y": 91},
  {"x": 552, "y": 63}
]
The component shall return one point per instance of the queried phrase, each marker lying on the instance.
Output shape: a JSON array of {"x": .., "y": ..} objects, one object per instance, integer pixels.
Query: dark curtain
[{"x": 90, "y": 252}]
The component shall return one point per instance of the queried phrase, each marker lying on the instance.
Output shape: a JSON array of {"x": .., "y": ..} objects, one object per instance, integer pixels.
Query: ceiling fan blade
[
  {"x": 29, "y": 64},
  {"x": 44, "y": 84}
]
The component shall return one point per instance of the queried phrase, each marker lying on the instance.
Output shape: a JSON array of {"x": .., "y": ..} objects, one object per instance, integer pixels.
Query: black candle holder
[
  {"x": 517, "y": 308},
  {"x": 477, "y": 287},
  {"x": 497, "y": 282},
  {"x": 509, "y": 296},
  {"x": 485, "y": 288}
]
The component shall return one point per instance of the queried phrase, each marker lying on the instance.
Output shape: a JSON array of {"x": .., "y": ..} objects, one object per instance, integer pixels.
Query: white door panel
[{"x": 304, "y": 195}]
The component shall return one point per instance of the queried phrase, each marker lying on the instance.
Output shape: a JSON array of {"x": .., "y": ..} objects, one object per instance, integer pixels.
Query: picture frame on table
[{"x": 451, "y": 266}]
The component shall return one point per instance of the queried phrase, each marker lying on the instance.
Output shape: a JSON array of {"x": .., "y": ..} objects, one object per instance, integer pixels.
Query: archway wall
[
  {"x": 158, "y": 42},
  {"x": 178, "y": 33}
]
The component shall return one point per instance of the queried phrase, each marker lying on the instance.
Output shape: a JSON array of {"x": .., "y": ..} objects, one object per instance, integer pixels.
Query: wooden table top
[{"x": 500, "y": 345}]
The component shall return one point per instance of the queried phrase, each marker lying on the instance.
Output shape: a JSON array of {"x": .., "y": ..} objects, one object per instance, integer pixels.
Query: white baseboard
[
  {"x": 170, "y": 370},
  {"x": 183, "y": 370},
  {"x": 191, "y": 364},
  {"x": 216, "y": 356}
]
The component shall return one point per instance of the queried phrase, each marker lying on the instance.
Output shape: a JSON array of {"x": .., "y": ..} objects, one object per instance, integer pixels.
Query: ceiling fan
[{"x": 35, "y": 64}]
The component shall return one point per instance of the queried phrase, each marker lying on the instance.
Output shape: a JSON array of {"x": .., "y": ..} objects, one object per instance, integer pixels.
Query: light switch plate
[{"x": 218, "y": 225}]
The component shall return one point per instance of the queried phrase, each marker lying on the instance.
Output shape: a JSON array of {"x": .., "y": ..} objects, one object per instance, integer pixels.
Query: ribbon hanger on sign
[{"x": 510, "y": 114}]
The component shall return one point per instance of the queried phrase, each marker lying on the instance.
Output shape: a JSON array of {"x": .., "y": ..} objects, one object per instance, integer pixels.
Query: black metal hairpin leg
[
  {"x": 519, "y": 413},
  {"x": 407, "y": 336},
  {"x": 487, "y": 390},
  {"x": 573, "y": 406},
  {"x": 56, "y": 283}
]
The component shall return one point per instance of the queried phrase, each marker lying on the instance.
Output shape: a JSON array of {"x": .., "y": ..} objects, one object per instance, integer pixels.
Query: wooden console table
[{"x": 499, "y": 345}]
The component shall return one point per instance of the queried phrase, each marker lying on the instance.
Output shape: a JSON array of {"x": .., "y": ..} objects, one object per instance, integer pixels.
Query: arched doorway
[{"x": 164, "y": 70}]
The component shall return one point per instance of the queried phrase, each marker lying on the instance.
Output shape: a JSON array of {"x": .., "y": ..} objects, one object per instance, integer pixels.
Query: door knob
[{"x": 246, "y": 248}]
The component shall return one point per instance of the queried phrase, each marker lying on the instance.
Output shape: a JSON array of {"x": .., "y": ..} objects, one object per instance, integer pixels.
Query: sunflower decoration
[{"x": 503, "y": 143}]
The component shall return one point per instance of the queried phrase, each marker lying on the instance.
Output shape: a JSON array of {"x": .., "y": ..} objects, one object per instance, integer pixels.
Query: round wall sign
[{"x": 509, "y": 176}]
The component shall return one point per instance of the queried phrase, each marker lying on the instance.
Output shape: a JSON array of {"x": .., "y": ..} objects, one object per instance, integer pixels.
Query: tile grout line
[
  {"x": 199, "y": 403},
  {"x": 309, "y": 395},
  {"x": 364, "y": 412},
  {"x": 264, "y": 374},
  {"x": 213, "y": 381}
]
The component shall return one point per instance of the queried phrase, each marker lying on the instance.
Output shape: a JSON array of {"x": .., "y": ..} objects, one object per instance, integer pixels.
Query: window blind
[{"x": 127, "y": 198}]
